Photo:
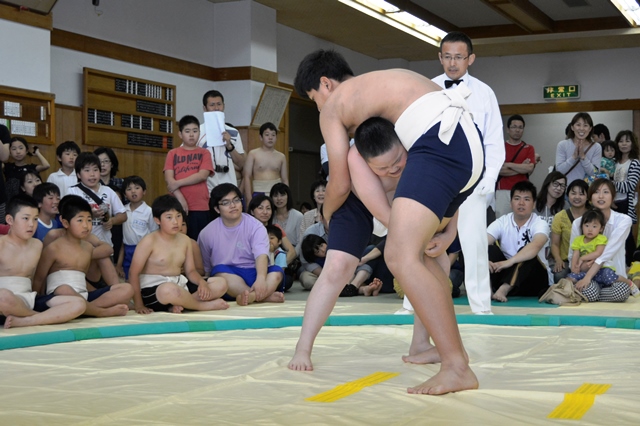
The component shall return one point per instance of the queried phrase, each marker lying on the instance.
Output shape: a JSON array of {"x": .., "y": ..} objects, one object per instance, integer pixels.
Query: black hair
[
  {"x": 541, "y": 200},
  {"x": 610, "y": 144},
  {"x": 86, "y": 159},
  {"x": 67, "y": 146},
  {"x": 19, "y": 201},
  {"x": 135, "y": 180},
  {"x": 635, "y": 149},
  {"x": 457, "y": 37},
  {"x": 315, "y": 185},
  {"x": 580, "y": 183},
  {"x": 375, "y": 136},
  {"x": 44, "y": 189},
  {"x": 259, "y": 199},
  {"x": 592, "y": 215},
  {"x": 211, "y": 94},
  {"x": 186, "y": 120},
  {"x": 268, "y": 126},
  {"x": 218, "y": 193},
  {"x": 275, "y": 231},
  {"x": 524, "y": 186},
  {"x": 282, "y": 189},
  {"x": 165, "y": 203},
  {"x": 71, "y": 205},
  {"x": 515, "y": 117},
  {"x": 601, "y": 129},
  {"x": 305, "y": 205},
  {"x": 112, "y": 157},
  {"x": 309, "y": 245},
  {"x": 21, "y": 140},
  {"x": 321, "y": 63},
  {"x": 23, "y": 176},
  {"x": 587, "y": 119}
]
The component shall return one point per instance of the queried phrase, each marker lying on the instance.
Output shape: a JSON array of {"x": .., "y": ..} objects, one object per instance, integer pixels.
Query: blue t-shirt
[{"x": 43, "y": 229}]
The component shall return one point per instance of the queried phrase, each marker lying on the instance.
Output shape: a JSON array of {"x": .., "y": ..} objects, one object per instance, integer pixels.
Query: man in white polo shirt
[{"x": 518, "y": 266}]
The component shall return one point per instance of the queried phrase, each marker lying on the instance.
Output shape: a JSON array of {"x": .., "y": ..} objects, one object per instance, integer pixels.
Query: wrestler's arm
[
  {"x": 42, "y": 270},
  {"x": 368, "y": 187},
  {"x": 101, "y": 249},
  {"x": 337, "y": 140},
  {"x": 140, "y": 257}
]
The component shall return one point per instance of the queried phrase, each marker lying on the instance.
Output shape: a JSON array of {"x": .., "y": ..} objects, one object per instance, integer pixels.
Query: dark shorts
[
  {"x": 128, "y": 257},
  {"x": 196, "y": 222},
  {"x": 436, "y": 173},
  {"x": 41, "y": 301},
  {"x": 247, "y": 274},
  {"x": 150, "y": 301},
  {"x": 351, "y": 227}
]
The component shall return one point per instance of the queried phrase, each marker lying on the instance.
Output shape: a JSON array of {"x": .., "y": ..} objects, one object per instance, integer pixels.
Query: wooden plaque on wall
[
  {"x": 129, "y": 113},
  {"x": 272, "y": 105},
  {"x": 28, "y": 114}
]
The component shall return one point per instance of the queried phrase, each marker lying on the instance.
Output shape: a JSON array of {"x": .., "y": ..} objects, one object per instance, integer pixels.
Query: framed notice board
[
  {"x": 271, "y": 106},
  {"x": 130, "y": 113},
  {"x": 29, "y": 114}
]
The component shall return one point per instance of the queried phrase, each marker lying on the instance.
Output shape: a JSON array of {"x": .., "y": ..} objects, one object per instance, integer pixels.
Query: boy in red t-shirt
[{"x": 186, "y": 171}]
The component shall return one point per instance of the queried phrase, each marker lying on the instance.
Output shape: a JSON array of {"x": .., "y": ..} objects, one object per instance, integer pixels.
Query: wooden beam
[
  {"x": 26, "y": 17},
  {"x": 107, "y": 49},
  {"x": 570, "y": 106}
]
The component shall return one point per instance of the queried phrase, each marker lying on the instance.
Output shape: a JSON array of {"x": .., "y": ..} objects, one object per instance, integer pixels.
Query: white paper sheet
[{"x": 214, "y": 126}]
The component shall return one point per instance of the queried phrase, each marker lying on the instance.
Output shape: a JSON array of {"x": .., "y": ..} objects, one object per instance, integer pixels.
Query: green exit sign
[{"x": 562, "y": 92}]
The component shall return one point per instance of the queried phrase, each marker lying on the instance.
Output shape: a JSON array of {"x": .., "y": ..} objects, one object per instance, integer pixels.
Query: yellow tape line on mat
[
  {"x": 576, "y": 404},
  {"x": 350, "y": 388}
]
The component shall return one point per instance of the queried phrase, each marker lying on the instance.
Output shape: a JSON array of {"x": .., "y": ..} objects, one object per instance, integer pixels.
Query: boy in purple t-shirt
[
  {"x": 235, "y": 246},
  {"x": 186, "y": 170}
]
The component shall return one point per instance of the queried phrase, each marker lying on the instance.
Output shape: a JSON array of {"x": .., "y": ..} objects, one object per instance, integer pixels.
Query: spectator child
[
  {"x": 19, "y": 150},
  {"x": 106, "y": 206},
  {"x": 28, "y": 181},
  {"x": 608, "y": 162},
  {"x": 65, "y": 177},
  {"x": 589, "y": 246},
  {"x": 155, "y": 271},
  {"x": 139, "y": 222},
  {"x": 65, "y": 262},
  {"x": 277, "y": 256},
  {"x": 18, "y": 300},
  {"x": 185, "y": 171},
  {"x": 47, "y": 195}
]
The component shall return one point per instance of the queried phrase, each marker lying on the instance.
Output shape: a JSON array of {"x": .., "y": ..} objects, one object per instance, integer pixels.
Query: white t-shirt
[
  {"x": 513, "y": 238},
  {"x": 139, "y": 223},
  {"x": 114, "y": 206},
  {"x": 62, "y": 181},
  {"x": 220, "y": 157}
]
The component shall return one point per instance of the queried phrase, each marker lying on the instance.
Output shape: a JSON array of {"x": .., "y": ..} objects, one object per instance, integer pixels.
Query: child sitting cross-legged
[
  {"x": 65, "y": 261},
  {"x": 19, "y": 255},
  {"x": 155, "y": 271}
]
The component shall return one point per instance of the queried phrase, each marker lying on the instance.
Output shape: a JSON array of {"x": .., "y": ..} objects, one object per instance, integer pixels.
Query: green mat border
[{"x": 127, "y": 330}]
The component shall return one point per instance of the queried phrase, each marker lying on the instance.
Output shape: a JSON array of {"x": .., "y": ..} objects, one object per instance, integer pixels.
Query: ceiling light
[
  {"x": 630, "y": 10},
  {"x": 404, "y": 21}
]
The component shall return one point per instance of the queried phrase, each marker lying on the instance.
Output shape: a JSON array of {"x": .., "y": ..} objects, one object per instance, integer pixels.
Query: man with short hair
[
  {"x": 520, "y": 162},
  {"x": 228, "y": 158},
  {"x": 235, "y": 246},
  {"x": 456, "y": 55},
  {"x": 518, "y": 265},
  {"x": 601, "y": 133}
]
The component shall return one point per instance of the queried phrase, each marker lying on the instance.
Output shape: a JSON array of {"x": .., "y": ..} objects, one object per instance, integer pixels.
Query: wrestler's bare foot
[
  {"x": 275, "y": 297},
  {"x": 449, "y": 380},
  {"x": 372, "y": 289},
  {"x": 245, "y": 298},
  {"x": 217, "y": 305},
  {"x": 175, "y": 309},
  {"x": 430, "y": 356},
  {"x": 113, "y": 311},
  {"x": 301, "y": 361},
  {"x": 10, "y": 322},
  {"x": 501, "y": 294}
]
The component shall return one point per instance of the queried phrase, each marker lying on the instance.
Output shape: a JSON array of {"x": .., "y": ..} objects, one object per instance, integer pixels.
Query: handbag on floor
[{"x": 563, "y": 293}]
